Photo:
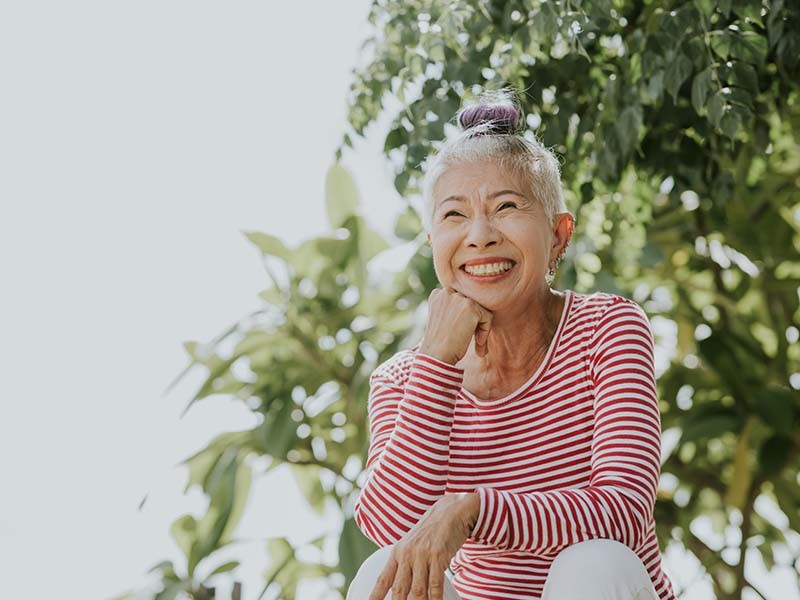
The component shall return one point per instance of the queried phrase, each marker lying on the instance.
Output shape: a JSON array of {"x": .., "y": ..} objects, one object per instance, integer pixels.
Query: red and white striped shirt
[{"x": 572, "y": 455}]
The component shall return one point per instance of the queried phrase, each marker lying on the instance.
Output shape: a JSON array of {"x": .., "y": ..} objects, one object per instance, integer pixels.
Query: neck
[{"x": 517, "y": 339}]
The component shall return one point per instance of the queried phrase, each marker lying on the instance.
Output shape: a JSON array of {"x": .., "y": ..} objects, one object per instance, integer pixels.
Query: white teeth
[{"x": 489, "y": 269}]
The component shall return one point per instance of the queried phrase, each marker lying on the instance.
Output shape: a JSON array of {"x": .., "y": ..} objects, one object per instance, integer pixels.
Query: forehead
[{"x": 476, "y": 179}]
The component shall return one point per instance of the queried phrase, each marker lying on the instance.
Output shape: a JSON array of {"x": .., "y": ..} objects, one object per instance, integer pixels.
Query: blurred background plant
[{"x": 678, "y": 124}]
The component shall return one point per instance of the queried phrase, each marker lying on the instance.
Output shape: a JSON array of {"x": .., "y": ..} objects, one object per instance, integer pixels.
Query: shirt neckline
[{"x": 543, "y": 366}]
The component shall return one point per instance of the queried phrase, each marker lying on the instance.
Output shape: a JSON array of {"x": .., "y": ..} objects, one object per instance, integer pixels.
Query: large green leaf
[
  {"x": 678, "y": 70},
  {"x": 269, "y": 244},
  {"x": 341, "y": 195},
  {"x": 184, "y": 531},
  {"x": 279, "y": 432},
  {"x": 778, "y": 407},
  {"x": 307, "y": 478}
]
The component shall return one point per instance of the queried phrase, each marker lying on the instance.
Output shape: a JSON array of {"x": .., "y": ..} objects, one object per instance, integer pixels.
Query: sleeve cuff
[{"x": 436, "y": 372}]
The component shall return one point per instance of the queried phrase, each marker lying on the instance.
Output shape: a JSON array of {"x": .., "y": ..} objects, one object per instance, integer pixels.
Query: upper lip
[{"x": 485, "y": 260}]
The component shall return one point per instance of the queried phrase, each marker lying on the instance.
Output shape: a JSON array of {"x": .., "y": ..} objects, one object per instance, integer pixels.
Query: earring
[{"x": 551, "y": 273}]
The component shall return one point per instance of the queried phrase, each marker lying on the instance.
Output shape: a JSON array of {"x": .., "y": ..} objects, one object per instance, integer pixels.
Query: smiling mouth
[{"x": 488, "y": 270}]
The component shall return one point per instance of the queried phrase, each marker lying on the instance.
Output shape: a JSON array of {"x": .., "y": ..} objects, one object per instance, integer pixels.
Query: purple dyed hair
[{"x": 494, "y": 118}]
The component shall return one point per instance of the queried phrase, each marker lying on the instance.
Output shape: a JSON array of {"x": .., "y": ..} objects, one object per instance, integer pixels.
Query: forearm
[
  {"x": 407, "y": 468},
  {"x": 551, "y": 520}
]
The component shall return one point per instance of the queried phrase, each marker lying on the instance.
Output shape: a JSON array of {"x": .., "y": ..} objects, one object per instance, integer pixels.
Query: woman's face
[{"x": 491, "y": 240}]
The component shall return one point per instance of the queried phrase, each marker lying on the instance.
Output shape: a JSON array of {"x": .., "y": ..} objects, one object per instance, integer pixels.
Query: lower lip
[{"x": 488, "y": 278}]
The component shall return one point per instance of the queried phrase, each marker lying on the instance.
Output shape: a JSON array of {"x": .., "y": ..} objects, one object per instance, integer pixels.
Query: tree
[{"x": 678, "y": 124}]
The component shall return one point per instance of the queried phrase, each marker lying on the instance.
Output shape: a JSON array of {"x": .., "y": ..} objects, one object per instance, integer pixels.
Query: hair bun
[{"x": 490, "y": 118}]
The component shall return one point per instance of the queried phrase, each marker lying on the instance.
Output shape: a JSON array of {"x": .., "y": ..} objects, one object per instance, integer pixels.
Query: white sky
[{"x": 137, "y": 140}]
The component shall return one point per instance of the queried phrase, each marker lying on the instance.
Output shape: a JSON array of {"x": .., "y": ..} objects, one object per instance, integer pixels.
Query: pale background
[{"x": 137, "y": 141}]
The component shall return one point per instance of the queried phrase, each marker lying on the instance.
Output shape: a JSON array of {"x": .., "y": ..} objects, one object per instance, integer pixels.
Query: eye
[
  {"x": 452, "y": 212},
  {"x": 507, "y": 204}
]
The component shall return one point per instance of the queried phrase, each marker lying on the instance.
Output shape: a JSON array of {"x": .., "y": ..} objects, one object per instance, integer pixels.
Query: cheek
[
  {"x": 442, "y": 262},
  {"x": 443, "y": 258}
]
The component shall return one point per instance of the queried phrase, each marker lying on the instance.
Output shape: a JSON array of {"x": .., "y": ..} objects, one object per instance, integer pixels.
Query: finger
[
  {"x": 402, "y": 582},
  {"x": 385, "y": 580},
  {"x": 419, "y": 580},
  {"x": 436, "y": 582}
]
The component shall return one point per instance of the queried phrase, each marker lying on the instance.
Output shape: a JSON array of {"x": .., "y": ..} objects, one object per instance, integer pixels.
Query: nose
[{"x": 481, "y": 233}]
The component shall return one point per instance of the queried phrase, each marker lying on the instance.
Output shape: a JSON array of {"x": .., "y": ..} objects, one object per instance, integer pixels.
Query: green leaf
[
  {"x": 701, "y": 87},
  {"x": 221, "y": 486},
  {"x": 166, "y": 570},
  {"x": 777, "y": 407},
  {"x": 224, "y": 568},
  {"x": 710, "y": 427},
  {"x": 721, "y": 44},
  {"x": 773, "y": 454},
  {"x": 628, "y": 126},
  {"x": 341, "y": 195},
  {"x": 280, "y": 553},
  {"x": 279, "y": 431},
  {"x": 677, "y": 72},
  {"x": 730, "y": 124},
  {"x": 749, "y": 47},
  {"x": 408, "y": 225},
  {"x": 370, "y": 242},
  {"x": 545, "y": 23},
  {"x": 170, "y": 591},
  {"x": 706, "y": 7},
  {"x": 241, "y": 493},
  {"x": 307, "y": 478},
  {"x": 744, "y": 75},
  {"x": 786, "y": 494},
  {"x": 202, "y": 462},
  {"x": 354, "y": 549},
  {"x": 761, "y": 135},
  {"x": 655, "y": 85},
  {"x": 748, "y": 9},
  {"x": 269, "y": 244},
  {"x": 183, "y": 531},
  {"x": 396, "y": 138},
  {"x": 401, "y": 182},
  {"x": 716, "y": 108}
]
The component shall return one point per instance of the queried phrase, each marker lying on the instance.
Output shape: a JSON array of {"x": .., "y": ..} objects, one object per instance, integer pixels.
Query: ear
[
  {"x": 562, "y": 231},
  {"x": 429, "y": 238}
]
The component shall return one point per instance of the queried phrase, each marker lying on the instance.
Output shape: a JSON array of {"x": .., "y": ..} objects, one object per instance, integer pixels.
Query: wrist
[
  {"x": 435, "y": 353},
  {"x": 470, "y": 507}
]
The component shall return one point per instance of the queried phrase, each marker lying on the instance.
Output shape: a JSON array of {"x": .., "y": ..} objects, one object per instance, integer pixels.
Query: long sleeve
[
  {"x": 625, "y": 461},
  {"x": 409, "y": 448}
]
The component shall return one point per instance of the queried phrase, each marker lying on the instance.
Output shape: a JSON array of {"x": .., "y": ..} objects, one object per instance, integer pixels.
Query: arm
[
  {"x": 409, "y": 447},
  {"x": 626, "y": 454}
]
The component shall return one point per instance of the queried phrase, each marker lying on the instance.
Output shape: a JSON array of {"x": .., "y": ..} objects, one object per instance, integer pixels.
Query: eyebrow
[{"x": 491, "y": 196}]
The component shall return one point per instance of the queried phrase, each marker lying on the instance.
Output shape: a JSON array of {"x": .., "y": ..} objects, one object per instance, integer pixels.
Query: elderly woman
[{"x": 518, "y": 443}]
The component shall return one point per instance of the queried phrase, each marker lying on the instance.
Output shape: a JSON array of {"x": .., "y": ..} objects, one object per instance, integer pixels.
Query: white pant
[{"x": 593, "y": 570}]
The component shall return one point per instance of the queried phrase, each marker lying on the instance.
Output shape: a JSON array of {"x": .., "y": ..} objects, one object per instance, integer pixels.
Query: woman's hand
[
  {"x": 453, "y": 320},
  {"x": 416, "y": 566}
]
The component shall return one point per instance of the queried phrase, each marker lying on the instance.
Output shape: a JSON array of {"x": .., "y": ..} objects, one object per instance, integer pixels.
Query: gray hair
[{"x": 524, "y": 156}]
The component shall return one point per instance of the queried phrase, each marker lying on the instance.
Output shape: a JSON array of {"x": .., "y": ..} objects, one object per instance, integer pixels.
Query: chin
[{"x": 490, "y": 301}]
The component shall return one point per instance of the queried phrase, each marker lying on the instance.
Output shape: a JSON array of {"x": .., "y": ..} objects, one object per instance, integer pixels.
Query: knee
[
  {"x": 598, "y": 568},
  {"x": 367, "y": 575},
  {"x": 366, "y": 578}
]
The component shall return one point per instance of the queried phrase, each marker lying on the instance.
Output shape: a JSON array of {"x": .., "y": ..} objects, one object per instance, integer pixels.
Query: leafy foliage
[{"x": 678, "y": 123}]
